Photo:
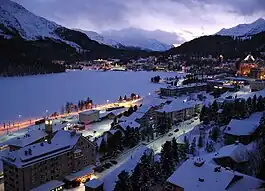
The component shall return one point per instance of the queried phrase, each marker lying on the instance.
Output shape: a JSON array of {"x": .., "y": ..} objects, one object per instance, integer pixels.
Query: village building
[
  {"x": 244, "y": 130},
  {"x": 179, "y": 110},
  {"x": 196, "y": 174},
  {"x": 39, "y": 163},
  {"x": 234, "y": 156},
  {"x": 172, "y": 91}
]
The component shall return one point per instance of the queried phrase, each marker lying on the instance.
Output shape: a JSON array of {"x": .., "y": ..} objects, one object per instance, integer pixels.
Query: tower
[{"x": 48, "y": 129}]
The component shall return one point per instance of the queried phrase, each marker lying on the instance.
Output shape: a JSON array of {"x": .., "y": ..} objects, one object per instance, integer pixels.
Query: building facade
[
  {"x": 172, "y": 91},
  {"x": 89, "y": 116},
  {"x": 36, "y": 164}
]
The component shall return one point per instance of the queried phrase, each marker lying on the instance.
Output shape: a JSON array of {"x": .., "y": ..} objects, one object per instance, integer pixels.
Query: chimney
[{"x": 199, "y": 161}]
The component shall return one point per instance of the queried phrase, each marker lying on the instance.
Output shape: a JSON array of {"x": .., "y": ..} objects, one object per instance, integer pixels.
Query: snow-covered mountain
[
  {"x": 150, "y": 40},
  {"x": 28, "y": 25},
  {"x": 244, "y": 30},
  {"x": 100, "y": 39},
  {"x": 16, "y": 19}
]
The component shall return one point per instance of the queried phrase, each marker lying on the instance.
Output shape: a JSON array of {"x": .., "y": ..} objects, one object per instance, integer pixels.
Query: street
[
  {"x": 30, "y": 122},
  {"x": 156, "y": 145}
]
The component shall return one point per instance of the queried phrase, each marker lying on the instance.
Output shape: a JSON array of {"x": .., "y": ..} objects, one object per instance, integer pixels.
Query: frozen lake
[{"x": 31, "y": 96}]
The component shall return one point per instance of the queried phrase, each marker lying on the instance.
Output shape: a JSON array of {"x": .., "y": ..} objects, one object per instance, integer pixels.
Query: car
[
  {"x": 99, "y": 169},
  {"x": 196, "y": 118},
  {"x": 176, "y": 130},
  {"x": 192, "y": 121},
  {"x": 107, "y": 165},
  {"x": 170, "y": 134},
  {"x": 114, "y": 162}
]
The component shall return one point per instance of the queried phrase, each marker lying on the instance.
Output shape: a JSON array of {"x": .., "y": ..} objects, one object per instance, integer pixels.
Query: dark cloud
[{"x": 181, "y": 16}]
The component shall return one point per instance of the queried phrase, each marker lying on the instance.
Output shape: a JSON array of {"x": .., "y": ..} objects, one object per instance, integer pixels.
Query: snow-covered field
[{"x": 31, "y": 96}]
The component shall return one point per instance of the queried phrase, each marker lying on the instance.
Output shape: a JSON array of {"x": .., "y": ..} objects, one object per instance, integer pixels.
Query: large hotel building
[{"x": 60, "y": 155}]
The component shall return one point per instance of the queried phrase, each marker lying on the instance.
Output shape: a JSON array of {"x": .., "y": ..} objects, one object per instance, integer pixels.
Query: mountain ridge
[{"x": 244, "y": 30}]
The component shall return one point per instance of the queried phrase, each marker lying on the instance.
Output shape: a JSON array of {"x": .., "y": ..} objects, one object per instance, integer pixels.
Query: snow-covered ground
[{"x": 31, "y": 96}]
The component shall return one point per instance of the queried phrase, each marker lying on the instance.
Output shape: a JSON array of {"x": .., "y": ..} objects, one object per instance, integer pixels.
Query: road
[{"x": 29, "y": 122}]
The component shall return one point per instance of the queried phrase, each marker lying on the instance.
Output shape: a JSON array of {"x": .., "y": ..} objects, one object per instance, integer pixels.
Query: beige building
[
  {"x": 89, "y": 116},
  {"x": 179, "y": 110},
  {"x": 36, "y": 164}
]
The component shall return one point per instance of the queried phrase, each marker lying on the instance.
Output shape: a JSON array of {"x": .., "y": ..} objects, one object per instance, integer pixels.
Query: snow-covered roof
[
  {"x": 238, "y": 152},
  {"x": 245, "y": 126},
  {"x": 89, "y": 112},
  {"x": 94, "y": 183},
  {"x": 249, "y": 58},
  {"x": 177, "y": 105},
  {"x": 28, "y": 138},
  {"x": 220, "y": 111},
  {"x": 61, "y": 142},
  {"x": 83, "y": 172},
  {"x": 210, "y": 177},
  {"x": 34, "y": 135},
  {"x": 131, "y": 124},
  {"x": 49, "y": 185},
  {"x": 144, "y": 108},
  {"x": 132, "y": 117}
]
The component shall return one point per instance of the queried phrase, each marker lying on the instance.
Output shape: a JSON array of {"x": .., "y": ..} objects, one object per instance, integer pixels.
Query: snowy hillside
[
  {"x": 100, "y": 39},
  {"x": 133, "y": 37},
  {"x": 28, "y": 25},
  {"x": 244, "y": 30}
]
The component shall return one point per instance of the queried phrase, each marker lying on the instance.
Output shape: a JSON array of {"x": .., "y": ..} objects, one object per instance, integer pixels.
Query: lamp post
[
  {"x": 19, "y": 116},
  {"x": 47, "y": 113}
]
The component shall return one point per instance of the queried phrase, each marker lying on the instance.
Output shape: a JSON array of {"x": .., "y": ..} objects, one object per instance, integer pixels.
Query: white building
[{"x": 89, "y": 116}]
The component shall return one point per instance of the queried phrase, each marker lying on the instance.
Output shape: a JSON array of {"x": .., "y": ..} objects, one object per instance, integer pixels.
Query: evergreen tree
[
  {"x": 186, "y": 144},
  {"x": 254, "y": 103},
  {"x": 135, "y": 108},
  {"x": 215, "y": 134},
  {"x": 135, "y": 177},
  {"x": 204, "y": 113},
  {"x": 62, "y": 110},
  {"x": 175, "y": 150},
  {"x": 130, "y": 110},
  {"x": 193, "y": 146},
  {"x": 125, "y": 98},
  {"x": 200, "y": 141},
  {"x": 260, "y": 104},
  {"x": 103, "y": 146},
  {"x": 249, "y": 105},
  {"x": 123, "y": 182},
  {"x": 167, "y": 159},
  {"x": 120, "y": 99},
  {"x": 215, "y": 106}
]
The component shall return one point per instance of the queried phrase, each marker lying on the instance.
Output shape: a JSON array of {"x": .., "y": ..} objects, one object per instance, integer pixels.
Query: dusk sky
[{"x": 188, "y": 18}]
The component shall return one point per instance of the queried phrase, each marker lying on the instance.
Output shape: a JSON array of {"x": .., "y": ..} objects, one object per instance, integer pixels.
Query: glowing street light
[
  {"x": 149, "y": 93},
  {"x": 107, "y": 101}
]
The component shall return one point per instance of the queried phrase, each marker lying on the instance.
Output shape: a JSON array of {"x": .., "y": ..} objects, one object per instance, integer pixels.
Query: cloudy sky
[{"x": 188, "y": 18}]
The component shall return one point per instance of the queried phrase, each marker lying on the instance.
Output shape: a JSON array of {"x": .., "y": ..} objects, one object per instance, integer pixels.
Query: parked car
[
  {"x": 107, "y": 165},
  {"x": 176, "y": 130},
  {"x": 114, "y": 162},
  {"x": 170, "y": 134},
  {"x": 99, "y": 169},
  {"x": 196, "y": 118}
]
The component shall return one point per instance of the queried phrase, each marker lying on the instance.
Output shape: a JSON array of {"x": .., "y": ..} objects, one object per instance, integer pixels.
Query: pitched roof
[
  {"x": 211, "y": 177},
  {"x": 238, "y": 152},
  {"x": 62, "y": 141},
  {"x": 130, "y": 124},
  {"x": 245, "y": 126}
]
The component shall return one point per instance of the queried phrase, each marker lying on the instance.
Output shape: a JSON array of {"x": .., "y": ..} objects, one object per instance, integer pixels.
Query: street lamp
[
  {"x": 107, "y": 101},
  {"x": 19, "y": 116},
  {"x": 149, "y": 93}
]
